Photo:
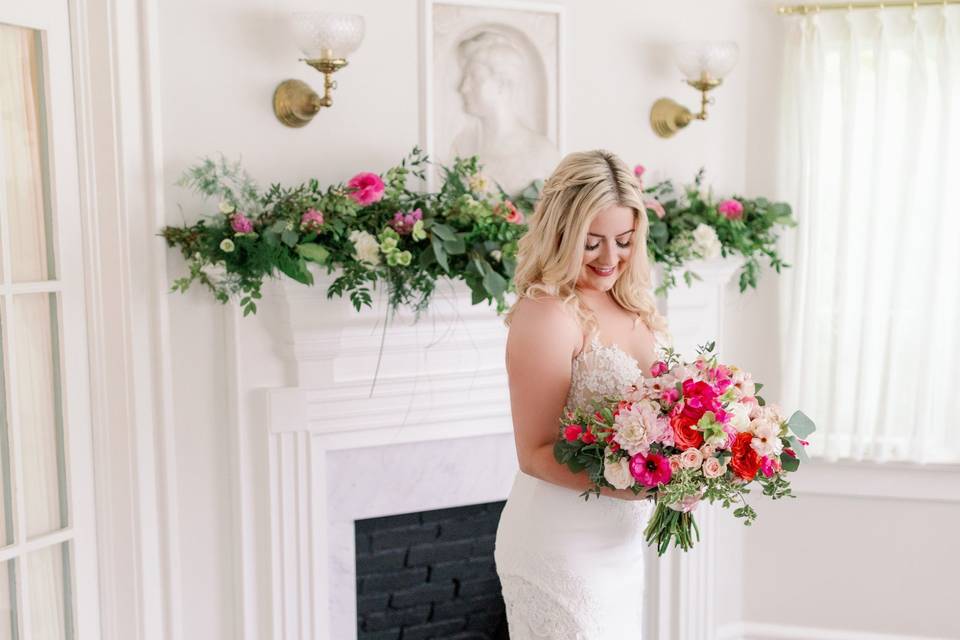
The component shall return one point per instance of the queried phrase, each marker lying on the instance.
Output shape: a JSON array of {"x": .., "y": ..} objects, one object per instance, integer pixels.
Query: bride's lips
[{"x": 603, "y": 273}]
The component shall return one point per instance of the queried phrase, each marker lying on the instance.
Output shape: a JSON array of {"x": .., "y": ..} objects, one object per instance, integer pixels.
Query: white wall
[{"x": 221, "y": 60}]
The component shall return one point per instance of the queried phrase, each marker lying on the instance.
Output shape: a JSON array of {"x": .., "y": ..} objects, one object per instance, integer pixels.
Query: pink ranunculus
[
  {"x": 311, "y": 220},
  {"x": 241, "y": 223},
  {"x": 366, "y": 188},
  {"x": 572, "y": 432},
  {"x": 658, "y": 368},
  {"x": 731, "y": 209},
  {"x": 655, "y": 206},
  {"x": 650, "y": 469}
]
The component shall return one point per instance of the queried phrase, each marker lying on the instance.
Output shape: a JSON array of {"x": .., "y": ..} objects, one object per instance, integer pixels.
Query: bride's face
[{"x": 607, "y": 248}]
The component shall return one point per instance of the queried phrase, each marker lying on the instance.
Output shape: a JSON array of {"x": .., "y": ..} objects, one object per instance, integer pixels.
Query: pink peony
[
  {"x": 366, "y": 188},
  {"x": 658, "y": 368},
  {"x": 731, "y": 209},
  {"x": 572, "y": 432},
  {"x": 241, "y": 223},
  {"x": 311, "y": 220},
  {"x": 651, "y": 469},
  {"x": 403, "y": 223},
  {"x": 655, "y": 206}
]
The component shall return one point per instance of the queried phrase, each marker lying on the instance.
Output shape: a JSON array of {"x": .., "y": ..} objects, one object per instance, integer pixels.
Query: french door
[{"x": 48, "y": 564}]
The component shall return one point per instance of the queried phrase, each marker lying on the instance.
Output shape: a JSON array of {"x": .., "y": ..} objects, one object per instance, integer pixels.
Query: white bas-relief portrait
[{"x": 495, "y": 90}]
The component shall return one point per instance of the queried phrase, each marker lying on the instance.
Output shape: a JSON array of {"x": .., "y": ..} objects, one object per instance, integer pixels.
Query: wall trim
[
  {"x": 767, "y": 631},
  {"x": 879, "y": 480},
  {"x": 115, "y": 60}
]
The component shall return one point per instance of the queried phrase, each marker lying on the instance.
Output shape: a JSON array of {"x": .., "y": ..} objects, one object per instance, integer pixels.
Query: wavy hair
[{"x": 550, "y": 254}]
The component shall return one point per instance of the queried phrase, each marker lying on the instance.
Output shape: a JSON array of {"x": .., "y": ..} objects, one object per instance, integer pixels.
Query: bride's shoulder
[{"x": 545, "y": 317}]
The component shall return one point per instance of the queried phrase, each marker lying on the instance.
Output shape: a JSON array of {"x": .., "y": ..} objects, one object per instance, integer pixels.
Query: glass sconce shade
[
  {"x": 711, "y": 59},
  {"x": 326, "y": 35}
]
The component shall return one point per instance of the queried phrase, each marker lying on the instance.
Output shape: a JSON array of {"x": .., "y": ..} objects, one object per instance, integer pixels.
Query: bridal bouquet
[{"x": 690, "y": 431}]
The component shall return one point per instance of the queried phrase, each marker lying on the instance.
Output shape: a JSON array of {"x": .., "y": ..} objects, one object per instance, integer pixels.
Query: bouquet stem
[{"x": 667, "y": 524}]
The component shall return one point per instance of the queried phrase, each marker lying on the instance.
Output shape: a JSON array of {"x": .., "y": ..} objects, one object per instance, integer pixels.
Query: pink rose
[
  {"x": 675, "y": 465},
  {"x": 731, "y": 209},
  {"x": 366, "y": 188},
  {"x": 572, "y": 432},
  {"x": 658, "y": 368},
  {"x": 691, "y": 459},
  {"x": 510, "y": 212},
  {"x": 311, "y": 220},
  {"x": 241, "y": 223},
  {"x": 713, "y": 468}
]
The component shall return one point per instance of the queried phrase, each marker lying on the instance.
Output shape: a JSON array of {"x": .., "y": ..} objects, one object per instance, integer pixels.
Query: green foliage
[{"x": 464, "y": 234}]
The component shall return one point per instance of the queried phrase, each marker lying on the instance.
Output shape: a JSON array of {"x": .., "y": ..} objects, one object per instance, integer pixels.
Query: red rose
[
  {"x": 572, "y": 432},
  {"x": 745, "y": 461},
  {"x": 684, "y": 435},
  {"x": 588, "y": 438}
]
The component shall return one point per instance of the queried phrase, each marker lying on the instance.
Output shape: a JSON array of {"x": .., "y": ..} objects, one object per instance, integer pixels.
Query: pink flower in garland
[
  {"x": 651, "y": 469},
  {"x": 510, "y": 212},
  {"x": 655, "y": 206},
  {"x": 241, "y": 223},
  {"x": 403, "y": 223},
  {"x": 731, "y": 209},
  {"x": 311, "y": 220},
  {"x": 366, "y": 188}
]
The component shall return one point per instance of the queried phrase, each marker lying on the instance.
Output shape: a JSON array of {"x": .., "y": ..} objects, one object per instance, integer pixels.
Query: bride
[{"x": 584, "y": 325}]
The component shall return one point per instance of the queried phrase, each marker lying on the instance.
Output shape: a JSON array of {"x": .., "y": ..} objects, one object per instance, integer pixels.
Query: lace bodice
[{"x": 602, "y": 370}]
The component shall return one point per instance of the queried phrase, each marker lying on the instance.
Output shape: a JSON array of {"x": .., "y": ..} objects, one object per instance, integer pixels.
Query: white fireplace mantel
[{"x": 431, "y": 430}]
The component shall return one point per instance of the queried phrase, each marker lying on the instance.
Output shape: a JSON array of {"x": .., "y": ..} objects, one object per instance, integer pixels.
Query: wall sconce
[
  {"x": 326, "y": 39},
  {"x": 705, "y": 64}
]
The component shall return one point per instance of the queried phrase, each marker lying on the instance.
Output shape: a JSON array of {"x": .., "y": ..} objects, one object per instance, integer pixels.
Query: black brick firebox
[{"x": 430, "y": 575}]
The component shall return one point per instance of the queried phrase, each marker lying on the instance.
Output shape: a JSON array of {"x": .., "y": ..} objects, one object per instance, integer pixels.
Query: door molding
[{"x": 118, "y": 132}]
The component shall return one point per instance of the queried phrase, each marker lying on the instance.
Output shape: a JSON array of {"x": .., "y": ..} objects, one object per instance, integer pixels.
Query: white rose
[
  {"x": 618, "y": 473},
  {"x": 740, "y": 416},
  {"x": 367, "y": 247},
  {"x": 226, "y": 206},
  {"x": 691, "y": 458},
  {"x": 713, "y": 468},
  {"x": 705, "y": 241},
  {"x": 766, "y": 438}
]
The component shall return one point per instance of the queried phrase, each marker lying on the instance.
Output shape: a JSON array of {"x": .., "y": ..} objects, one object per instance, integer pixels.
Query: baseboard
[{"x": 764, "y": 631}]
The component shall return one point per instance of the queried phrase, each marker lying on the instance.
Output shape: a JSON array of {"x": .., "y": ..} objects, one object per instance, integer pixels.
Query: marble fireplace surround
[{"x": 432, "y": 431}]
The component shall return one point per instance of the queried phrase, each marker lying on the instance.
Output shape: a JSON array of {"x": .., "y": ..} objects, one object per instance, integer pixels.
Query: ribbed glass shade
[
  {"x": 715, "y": 59},
  {"x": 326, "y": 35}
]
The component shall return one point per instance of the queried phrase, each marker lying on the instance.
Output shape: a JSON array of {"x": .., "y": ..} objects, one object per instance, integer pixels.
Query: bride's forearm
[{"x": 540, "y": 463}]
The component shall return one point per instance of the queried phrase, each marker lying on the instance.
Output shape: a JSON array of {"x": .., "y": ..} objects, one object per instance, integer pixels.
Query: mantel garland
[{"x": 376, "y": 230}]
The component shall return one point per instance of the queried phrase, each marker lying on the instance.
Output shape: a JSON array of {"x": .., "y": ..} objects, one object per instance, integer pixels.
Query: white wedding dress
[{"x": 570, "y": 569}]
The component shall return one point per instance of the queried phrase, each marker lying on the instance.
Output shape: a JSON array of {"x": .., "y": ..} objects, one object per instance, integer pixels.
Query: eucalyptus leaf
[
  {"x": 494, "y": 283},
  {"x": 801, "y": 425}
]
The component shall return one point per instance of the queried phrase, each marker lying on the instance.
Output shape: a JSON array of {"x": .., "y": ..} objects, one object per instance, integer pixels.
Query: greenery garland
[{"x": 375, "y": 230}]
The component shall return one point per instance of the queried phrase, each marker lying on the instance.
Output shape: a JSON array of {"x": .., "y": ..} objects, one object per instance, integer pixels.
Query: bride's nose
[{"x": 609, "y": 253}]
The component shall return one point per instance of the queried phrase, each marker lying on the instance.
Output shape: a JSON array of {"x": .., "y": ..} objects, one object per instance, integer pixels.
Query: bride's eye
[
  {"x": 592, "y": 248},
  {"x": 624, "y": 245}
]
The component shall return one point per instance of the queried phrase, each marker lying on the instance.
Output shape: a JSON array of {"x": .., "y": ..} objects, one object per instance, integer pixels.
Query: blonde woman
[{"x": 584, "y": 325}]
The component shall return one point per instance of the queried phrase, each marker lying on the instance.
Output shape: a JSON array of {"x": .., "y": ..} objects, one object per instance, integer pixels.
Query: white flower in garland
[
  {"x": 706, "y": 244},
  {"x": 227, "y": 245},
  {"x": 367, "y": 249}
]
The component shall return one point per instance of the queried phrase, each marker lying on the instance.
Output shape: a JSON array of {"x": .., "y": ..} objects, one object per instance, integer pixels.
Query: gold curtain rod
[{"x": 804, "y": 9}]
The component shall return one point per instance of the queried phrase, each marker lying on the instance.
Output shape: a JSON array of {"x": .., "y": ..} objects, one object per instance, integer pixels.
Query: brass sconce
[
  {"x": 326, "y": 39},
  {"x": 705, "y": 65}
]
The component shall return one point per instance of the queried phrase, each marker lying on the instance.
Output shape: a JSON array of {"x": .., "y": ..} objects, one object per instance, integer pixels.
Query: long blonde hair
[{"x": 550, "y": 254}]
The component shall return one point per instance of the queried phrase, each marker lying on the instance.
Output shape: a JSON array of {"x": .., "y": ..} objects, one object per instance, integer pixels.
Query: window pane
[
  {"x": 48, "y": 576},
  {"x": 8, "y": 601},
  {"x": 23, "y": 148},
  {"x": 38, "y": 406},
  {"x": 6, "y": 493}
]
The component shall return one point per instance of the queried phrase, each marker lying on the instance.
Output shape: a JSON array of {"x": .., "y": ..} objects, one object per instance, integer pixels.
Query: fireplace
[{"x": 429, "y": 575}]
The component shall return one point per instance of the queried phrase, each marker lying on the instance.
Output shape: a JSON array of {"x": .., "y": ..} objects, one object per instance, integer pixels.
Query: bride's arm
[{"x": 544, "y": 336}]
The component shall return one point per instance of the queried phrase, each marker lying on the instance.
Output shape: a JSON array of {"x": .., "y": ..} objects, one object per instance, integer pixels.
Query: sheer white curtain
[{"x": 870, "y": 315}]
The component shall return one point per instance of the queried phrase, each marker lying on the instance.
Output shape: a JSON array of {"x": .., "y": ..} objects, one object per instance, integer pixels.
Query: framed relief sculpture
[{"x": 492, "y": 75}]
